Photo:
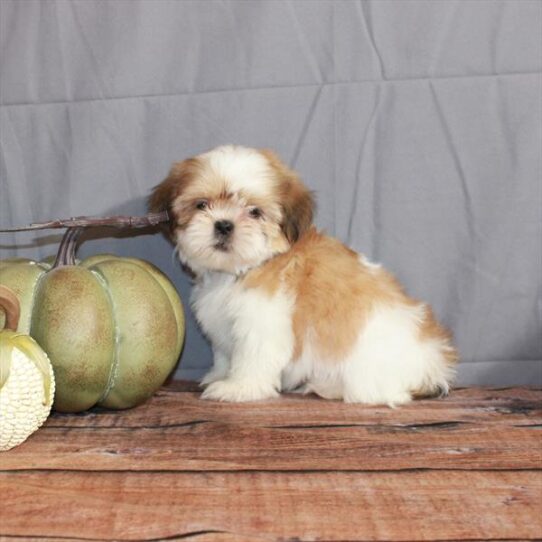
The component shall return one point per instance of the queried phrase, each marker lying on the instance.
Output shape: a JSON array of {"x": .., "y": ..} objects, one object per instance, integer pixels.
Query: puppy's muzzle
[
  {"x": 223, "y": 233},
  {"x": 223, "y": 228}
]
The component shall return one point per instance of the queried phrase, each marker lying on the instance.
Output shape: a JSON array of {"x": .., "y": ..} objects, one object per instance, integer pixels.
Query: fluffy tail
[{"x": 443, "y": 358}]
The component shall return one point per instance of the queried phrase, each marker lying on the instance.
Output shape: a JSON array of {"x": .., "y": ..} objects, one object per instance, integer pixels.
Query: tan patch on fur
[
  {"x": 165, "y": 194},
  {"x": 334, "y": 292},
  {"x": 296, "y": 200}
]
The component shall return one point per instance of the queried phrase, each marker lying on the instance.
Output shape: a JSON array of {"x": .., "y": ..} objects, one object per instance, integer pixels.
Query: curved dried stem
[{"x": 151, "y": 219}]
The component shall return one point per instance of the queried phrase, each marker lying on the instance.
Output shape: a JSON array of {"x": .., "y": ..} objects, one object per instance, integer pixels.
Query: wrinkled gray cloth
[{"x": 418, "y": 124}]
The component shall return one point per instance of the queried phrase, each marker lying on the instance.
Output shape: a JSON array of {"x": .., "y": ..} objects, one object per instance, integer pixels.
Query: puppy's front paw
[
  {"x": 238, "y": 391},
  {"x": 212, "y": 376}
]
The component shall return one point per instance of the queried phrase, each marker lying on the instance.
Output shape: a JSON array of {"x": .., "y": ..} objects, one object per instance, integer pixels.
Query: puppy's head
[{"x": 232, "y": 208}]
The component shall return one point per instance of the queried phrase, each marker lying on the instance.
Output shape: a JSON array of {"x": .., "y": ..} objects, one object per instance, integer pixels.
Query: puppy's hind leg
[{"x": 389, "y": 361}]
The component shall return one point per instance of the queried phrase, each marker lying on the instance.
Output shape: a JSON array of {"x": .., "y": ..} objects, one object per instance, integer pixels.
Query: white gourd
[{"x": 26, "y": 379}]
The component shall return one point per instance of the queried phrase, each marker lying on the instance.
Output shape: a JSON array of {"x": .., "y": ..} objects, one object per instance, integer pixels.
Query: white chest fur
[{"x": 212, "y": 300}]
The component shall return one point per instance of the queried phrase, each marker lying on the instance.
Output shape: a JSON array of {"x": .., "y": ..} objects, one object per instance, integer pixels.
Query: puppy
[{"x": 285, "y": 306}]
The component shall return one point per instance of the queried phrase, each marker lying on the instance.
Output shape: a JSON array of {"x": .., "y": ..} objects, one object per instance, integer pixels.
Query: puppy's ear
[
  {"x": 164, "y": 194},
  {"x": 296, "y": 200},
  {"x": 298, "y": 206}
]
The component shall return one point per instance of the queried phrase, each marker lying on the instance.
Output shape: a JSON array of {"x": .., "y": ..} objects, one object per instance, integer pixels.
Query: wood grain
[
  {"x": 202, "y": 536},
  {"x": 301, "y": 506},
  {"x": 297, "y": 468},
  {"x": 180, "y": 404},
  {"x": 212, "y": 446},
  {"x": 211, "y": 536}
]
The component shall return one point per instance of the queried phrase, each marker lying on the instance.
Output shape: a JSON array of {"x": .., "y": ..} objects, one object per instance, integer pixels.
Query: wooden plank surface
[
  {"x": 297, "y": 468},
  {"x": 210, "y": 446},
  {"x": 320, "y": 506},
  {"x": 200, "y": 536},
  {"x": 180, "y": 404},
  {"x": 175, "y": 430}
]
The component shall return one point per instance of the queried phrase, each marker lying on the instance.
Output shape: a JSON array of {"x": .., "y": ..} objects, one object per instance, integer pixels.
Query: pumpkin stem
[
  {"x": 66, "y": 250},
  {"x": 10, "y": 305}
]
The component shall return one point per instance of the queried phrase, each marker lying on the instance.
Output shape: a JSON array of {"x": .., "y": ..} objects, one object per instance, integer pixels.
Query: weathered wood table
[{"x": 467, "y": 467}]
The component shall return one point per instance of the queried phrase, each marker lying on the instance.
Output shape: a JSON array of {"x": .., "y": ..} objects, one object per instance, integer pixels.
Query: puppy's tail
[
  {"x": 440, "y": 376},
  {"x": 437, "y": 392}
]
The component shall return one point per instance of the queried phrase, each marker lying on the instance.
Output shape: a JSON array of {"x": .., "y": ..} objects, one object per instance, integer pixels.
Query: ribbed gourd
[
  {"x": 27, "y": 383},
  {"x": 112, "y": 327}
]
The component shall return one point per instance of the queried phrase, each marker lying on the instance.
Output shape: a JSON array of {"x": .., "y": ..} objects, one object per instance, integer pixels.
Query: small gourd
[{"x": 27, "y": 382}]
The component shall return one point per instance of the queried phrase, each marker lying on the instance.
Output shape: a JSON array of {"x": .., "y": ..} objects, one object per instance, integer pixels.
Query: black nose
[{"x": 224, "y": 227}]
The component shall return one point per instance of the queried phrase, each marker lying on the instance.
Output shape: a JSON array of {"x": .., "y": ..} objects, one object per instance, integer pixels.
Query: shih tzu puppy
[{"x": 285, "y": 306}]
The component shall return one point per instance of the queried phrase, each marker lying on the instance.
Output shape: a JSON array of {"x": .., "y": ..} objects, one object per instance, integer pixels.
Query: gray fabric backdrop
[{"x": 417, "y": 123}]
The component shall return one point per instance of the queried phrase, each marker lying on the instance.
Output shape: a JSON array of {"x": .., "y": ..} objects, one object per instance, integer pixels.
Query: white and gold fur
[{"x": 284, "y": 306}]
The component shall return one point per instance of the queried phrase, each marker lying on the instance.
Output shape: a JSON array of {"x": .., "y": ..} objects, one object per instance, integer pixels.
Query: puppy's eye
[
  {"x": 201, "y": 205},
  {"x": 255, "y": 212}
]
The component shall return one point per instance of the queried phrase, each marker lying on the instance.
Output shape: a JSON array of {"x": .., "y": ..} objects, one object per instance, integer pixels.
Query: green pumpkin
[{"x": 112, "y": 327}]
